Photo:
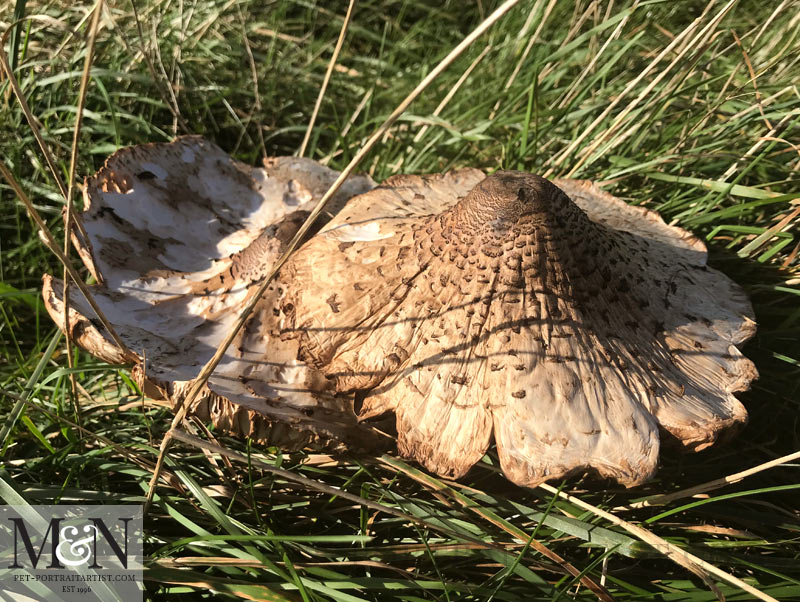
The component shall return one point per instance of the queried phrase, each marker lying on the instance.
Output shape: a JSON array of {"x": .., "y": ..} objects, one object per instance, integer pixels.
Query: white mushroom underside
[
  {"x": 570, "y": 361},
  {"x": 179, "y": 237}
]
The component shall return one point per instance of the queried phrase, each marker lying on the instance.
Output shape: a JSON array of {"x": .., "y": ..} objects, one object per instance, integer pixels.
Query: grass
[{"x": 695, "y": 119}]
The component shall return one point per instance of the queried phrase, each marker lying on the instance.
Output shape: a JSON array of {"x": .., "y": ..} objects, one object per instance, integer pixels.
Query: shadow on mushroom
[{"x": 558, "y": 320}]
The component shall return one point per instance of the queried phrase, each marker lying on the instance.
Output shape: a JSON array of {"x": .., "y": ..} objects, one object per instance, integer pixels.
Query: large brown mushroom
[
  {"x": 571, "y": 329},
  {"x": 560, "y": 320}
]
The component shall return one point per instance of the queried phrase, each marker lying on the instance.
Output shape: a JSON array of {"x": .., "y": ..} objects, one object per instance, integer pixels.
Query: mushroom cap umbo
[
  {"x": 564, "y": 322},
  {"x": 178, "y": 237}
]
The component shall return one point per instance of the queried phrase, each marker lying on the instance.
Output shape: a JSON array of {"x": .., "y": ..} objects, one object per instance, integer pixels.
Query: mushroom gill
[
  {"x": 571, "y": 329},
  {"x": 178, "y": 237}
]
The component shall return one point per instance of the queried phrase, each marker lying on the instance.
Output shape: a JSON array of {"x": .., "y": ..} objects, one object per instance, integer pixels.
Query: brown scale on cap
[{"x": 572, "y": 328}]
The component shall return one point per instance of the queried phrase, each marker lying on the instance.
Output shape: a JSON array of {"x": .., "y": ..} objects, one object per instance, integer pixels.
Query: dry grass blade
[
  {"x": 53, "y": 246},
  {"x": 696, "y": 565},
  {"x": 695, "y": 41},
  {"x": 323, "y": 488},
  {"x": 660, "y": 500},
  {"x": 205, "y": 373},
  {"x": 254, "y": 76},
  {"x": 34, "y": 125},
  {"x": 525, "y": 53},
  {"x": 73, "y": 160},
  {"x": 440, "y": 488},
  {"x": 447, "y": 98},
  {"x": 452, "y": 92},
  {"x": 784, "y": 225},
  {"x": 334, "y": 151},
  {"x": 331, "y": 64},
  {"x": 561, "y": 157},
  {"x": 123, "y": 451},
  {"x": 779, "y": 9},
  {"x": 772, "y": 134},
  {"x": 753, "y": 78},
  {"x": 575, "y": 86},
  {"x": 170, "y": 99}
]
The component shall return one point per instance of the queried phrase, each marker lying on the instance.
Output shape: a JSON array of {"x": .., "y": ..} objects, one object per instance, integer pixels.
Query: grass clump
[{"x": 691, "y": 109}]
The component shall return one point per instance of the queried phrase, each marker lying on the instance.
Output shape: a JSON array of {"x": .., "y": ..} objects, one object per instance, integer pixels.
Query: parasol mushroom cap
[
  {"x": 178, "y": 237},
  {"x": 574, "y": 329},
  {"x": 566, "y": 324}
]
